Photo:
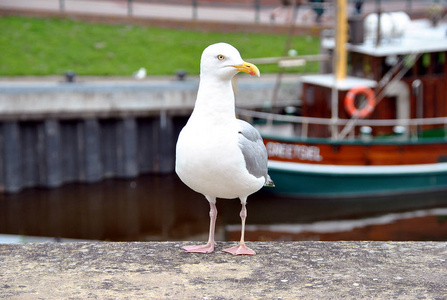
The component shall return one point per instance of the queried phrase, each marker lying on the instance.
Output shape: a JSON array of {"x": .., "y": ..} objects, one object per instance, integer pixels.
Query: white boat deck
[{"x": 419, "y": 37}]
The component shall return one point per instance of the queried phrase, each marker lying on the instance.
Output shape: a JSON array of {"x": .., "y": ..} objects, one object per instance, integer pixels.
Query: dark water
[{"x": 162, "y": 208}]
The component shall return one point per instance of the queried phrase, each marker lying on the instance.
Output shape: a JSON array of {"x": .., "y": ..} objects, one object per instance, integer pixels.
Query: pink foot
[
  {"x": 208, "y": 248},
  {"x": 240, "y": 250}
]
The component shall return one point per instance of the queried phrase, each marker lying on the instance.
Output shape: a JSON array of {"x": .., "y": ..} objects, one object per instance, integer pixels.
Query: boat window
[
  {"x": 439, "y": 62},
  {"x": 355, "y": 66},
  {"x": 423, "y": 64},
  {"x": 351, "y": 64},
  {"x": 367, "y": 67}
]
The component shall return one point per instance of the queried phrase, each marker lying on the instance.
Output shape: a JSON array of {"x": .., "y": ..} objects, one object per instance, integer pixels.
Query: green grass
[{"x": 30, "y": 46}]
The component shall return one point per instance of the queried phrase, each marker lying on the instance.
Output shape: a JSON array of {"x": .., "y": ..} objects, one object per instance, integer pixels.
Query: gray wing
[{"x": 255, "y": 154}]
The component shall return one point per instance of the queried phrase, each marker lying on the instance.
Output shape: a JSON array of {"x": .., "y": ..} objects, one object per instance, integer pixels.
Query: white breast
[{"x": 210, "y": 162}]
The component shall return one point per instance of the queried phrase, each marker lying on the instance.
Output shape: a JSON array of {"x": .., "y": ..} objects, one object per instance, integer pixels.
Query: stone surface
[
  {"x": 280, "y": 270},
  {"x": 36, "y": 99}
]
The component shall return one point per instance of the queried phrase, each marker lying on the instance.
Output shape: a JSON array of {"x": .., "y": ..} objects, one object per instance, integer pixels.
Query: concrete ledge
[
  {"x": 40, "y": 100},
  {"x": 281, "y": 270}
]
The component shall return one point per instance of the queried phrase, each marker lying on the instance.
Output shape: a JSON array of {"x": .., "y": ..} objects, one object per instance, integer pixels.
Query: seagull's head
[{"x": 223, "y": 61}]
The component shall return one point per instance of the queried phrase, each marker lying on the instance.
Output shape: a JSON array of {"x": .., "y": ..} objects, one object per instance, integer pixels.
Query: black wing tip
[{"x": 269, "y": 182}]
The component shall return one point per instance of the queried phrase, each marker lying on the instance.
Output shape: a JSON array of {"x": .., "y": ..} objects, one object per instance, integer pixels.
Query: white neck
[{"x": 215, "y": 101}]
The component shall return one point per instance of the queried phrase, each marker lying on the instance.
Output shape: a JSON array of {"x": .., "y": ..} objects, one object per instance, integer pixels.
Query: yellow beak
[{"x": 248, "y": 68}]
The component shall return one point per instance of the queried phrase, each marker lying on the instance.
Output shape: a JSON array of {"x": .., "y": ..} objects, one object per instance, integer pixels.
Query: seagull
[
  {"x": 217, "y": 154},
  {"x": 140, "y": 74}
]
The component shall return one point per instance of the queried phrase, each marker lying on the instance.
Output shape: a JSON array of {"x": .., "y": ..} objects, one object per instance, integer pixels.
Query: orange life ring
[{"x": 350, "y": 100}]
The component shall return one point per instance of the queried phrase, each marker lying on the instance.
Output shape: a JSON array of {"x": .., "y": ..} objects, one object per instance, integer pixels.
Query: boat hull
[
  {"x": 323, "y": 168},
  {"x": 297, "y": 179}
]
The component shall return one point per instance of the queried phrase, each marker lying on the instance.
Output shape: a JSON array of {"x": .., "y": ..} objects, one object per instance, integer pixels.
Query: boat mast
[
  {"x": 339, "y": 61},
  {"x": 341, "y": 40}
]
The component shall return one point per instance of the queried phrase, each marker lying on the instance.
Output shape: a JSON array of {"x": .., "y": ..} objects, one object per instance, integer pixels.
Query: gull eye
[{"x": 220, "y": 57}]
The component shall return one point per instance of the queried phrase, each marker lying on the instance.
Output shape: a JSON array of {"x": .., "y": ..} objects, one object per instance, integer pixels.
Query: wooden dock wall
[{"x": 49, "y": 153}]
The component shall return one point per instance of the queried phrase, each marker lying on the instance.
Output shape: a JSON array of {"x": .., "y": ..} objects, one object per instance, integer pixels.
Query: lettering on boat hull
[{"x": 293, "y": 151}]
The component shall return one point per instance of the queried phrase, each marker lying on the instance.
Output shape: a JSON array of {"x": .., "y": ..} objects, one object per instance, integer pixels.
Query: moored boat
[{"x": 374, "y": 123}]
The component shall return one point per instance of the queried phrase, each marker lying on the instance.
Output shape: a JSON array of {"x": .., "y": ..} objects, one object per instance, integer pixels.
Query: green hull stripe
[{"x": 298, "y": 183}]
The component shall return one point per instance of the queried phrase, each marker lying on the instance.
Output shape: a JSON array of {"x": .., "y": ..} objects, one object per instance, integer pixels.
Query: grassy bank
[{"x": 32, "y": 46}]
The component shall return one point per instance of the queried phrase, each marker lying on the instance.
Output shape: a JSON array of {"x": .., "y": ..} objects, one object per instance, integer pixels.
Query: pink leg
[
  {"x": 208, "y": 247},
  {"x": 241, "y": 249}
]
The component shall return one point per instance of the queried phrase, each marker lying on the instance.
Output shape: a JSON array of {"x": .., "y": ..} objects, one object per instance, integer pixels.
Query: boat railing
[{"x": 411, "y": 127}]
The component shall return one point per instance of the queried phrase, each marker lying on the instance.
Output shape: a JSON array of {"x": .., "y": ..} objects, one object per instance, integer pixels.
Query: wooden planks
[{"x": 52, "y": 152}]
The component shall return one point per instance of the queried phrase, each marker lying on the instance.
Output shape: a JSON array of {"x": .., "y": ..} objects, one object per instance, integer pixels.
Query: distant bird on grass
[
  {"x": 218, "y": 155},
  {"x": 140, "y": 74}
]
